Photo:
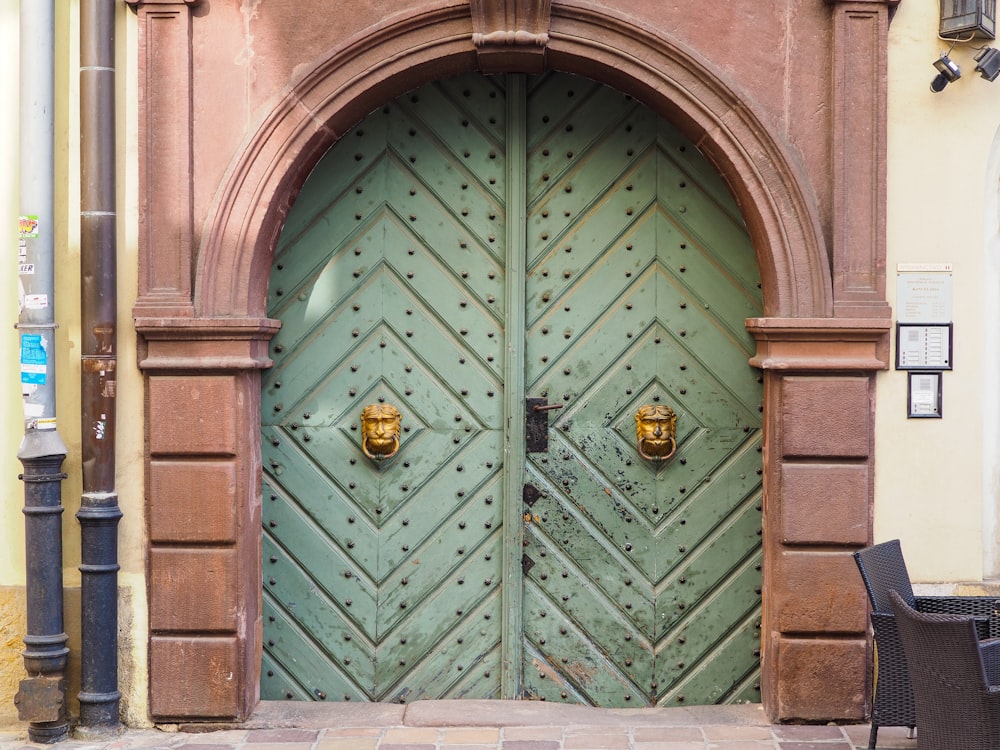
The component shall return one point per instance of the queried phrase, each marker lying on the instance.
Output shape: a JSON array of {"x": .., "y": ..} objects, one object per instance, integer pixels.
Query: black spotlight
[
  {"x": 988, "y": 63},
  {"x": 948, "y": 72}
]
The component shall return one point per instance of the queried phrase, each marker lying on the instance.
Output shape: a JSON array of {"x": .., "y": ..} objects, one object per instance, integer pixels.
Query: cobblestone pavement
[{"x": 483, "y": 725}]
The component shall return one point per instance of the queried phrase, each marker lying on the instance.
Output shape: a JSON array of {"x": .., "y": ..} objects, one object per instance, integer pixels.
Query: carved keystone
[{"x": 511, "y": 35}]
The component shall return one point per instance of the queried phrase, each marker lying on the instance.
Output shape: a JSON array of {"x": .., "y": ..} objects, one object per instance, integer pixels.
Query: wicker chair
[
  {"x": 883, "y": 570},
  {"x": 956, "y": 679}
]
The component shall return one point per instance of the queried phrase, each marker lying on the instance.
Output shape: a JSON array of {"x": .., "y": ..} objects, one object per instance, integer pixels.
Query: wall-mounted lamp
[
  {"x": 988, "y": 63},
  {"x": 968, "y": 19},
  {"x": 948, "y": 72}
]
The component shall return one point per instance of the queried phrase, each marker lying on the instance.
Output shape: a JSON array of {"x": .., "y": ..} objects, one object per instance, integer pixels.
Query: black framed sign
[{"x": 923, "y": 346}]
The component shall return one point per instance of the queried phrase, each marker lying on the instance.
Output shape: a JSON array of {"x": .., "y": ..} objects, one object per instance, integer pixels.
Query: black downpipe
[
  {"x": 42, "y": 696},
  {"x": 99, "y": 511}
]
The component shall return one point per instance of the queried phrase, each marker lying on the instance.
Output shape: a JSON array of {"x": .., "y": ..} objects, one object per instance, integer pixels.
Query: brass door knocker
[
  {"x": 656, "y": 432},
  {"x": 380, "y": 431}
]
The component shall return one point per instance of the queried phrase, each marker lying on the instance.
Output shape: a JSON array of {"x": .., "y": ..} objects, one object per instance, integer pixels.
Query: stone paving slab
[{"x": 484, "y": 725}]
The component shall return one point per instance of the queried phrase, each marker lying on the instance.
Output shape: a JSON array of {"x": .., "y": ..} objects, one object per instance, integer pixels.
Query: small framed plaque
[
  {"x": 923, "y": 346},
  {"x": 923, "y": 395}
]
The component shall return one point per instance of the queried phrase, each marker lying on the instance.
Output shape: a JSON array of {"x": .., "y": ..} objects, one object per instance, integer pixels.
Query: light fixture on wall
[
  {"x": 961, "y": 22},
  {"x": 971, "y": 19},
  {"x": 988, "y": 63},
  {"x": 948, "y": 72}
]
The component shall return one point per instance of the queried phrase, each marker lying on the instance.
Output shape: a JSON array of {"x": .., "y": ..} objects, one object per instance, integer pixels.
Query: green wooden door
[
  {"x": 475, "y": 243},
  {"x": 643, "y": 578}
]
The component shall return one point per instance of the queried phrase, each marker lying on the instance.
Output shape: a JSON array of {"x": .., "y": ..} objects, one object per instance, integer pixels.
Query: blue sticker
[{"x": 34, "y": 359}]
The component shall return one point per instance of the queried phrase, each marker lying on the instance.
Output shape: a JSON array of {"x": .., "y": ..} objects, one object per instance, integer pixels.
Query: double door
[{"x": 528, "y": 272}]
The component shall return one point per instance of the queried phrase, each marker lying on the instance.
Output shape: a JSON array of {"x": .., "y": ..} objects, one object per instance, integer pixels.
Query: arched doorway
[
  {"x": 202, "y": 320},
  {"x": 481, "y": 255}
]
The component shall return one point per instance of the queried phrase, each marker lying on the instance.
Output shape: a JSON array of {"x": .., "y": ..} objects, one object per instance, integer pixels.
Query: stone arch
[
  {"x": 819, "y": 387},
  {"x": 404, "y": 52}
]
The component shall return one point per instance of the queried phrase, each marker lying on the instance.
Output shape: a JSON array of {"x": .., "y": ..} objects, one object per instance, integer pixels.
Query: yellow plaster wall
[
  {"x": 929, "y": 482},
  {"x": 11, "y": 425}
]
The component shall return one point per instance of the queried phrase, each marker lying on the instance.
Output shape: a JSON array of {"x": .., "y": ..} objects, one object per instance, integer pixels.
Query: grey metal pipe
[
  {"x": 99, "y": 511},
  {"x": 41, "y": 698}
]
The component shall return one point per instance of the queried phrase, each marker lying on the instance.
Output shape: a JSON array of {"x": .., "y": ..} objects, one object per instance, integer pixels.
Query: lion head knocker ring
[
  {"x": 380, "y": 431},
  {"x": 656, "y": 432}
]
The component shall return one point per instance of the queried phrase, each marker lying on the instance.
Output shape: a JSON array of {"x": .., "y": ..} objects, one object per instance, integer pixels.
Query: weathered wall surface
[{"x": 776, "y": 54}]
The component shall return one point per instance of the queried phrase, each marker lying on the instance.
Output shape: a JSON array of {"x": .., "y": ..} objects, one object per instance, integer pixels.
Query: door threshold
[{"x": 478, "y": 713}]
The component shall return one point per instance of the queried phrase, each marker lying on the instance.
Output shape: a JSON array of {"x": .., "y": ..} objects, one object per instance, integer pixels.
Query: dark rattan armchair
[
  {"x": 956, "y": 679},
  {"x": 883, "y": 570}
]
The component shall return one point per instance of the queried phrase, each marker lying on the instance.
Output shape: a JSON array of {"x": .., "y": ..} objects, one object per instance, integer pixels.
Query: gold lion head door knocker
[
  {"x": 656, "y": 432},
  {"x": 380, "y": 431}
]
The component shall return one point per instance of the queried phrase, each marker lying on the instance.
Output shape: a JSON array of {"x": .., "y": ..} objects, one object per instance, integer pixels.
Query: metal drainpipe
[
  {"x": 99, "y": 512},
  {"x": 41, "y": 698}
]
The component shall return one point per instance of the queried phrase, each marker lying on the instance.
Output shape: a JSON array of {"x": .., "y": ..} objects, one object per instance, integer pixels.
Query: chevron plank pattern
[
  {"x": 384, "y": 581},
  {"x": 643, "y": 580}
]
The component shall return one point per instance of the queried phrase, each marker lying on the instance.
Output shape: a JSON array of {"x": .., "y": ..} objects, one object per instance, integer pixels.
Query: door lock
[{"x": 536, "y": 424}]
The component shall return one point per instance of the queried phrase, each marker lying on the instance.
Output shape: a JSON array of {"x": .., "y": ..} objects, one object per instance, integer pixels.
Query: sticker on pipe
[
  {"x": 27, "y": 226},
  {"x": 34, "y": 359}
]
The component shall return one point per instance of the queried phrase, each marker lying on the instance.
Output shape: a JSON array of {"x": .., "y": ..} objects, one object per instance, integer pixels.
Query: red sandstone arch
[
  {"x": 410, "y": 49},
  {"x": 819, "y": 387}
]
